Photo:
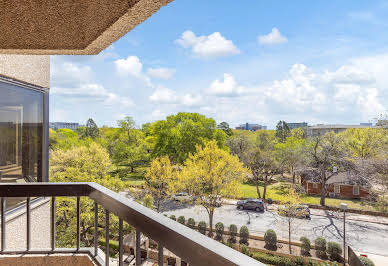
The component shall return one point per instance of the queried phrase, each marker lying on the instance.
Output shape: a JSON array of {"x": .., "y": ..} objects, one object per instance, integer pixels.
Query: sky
[{"x": 235, "y": 61}]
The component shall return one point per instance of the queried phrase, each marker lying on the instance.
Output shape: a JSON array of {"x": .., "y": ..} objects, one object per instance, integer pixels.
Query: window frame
[
  {"x": 358, "y": 190},
  {"x": 339, "y": 188}
]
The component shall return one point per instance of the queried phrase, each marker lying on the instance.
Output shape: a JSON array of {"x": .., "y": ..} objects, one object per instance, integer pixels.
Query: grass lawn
[
  {"x": 278, "y": 192},
  {"x": 133, "y": 179}
]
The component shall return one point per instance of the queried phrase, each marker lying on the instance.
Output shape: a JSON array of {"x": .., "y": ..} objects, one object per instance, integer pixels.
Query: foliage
[
  {"x": 159, "y": 178},
  {"x": 172, "y": 217},
  {"x": 202, "y": 227},
  {"x": 270, "y": 239},
  {"x": 244, "y": 235},
  {"x": 209, "y": 174},
  {"x": 148, "y": 201},
  {"x": 225, "y": 127},
  {"x": 273, "y": 259},
  {"x": 91, "y": 130},
  {"x": 334, "y": 250},
  {"x": 219, "y": 230},
  {"x": 179, "y": 135},
  {"x": 282, "y": 131},
  {"x": 363, "y": 142},
  {"x": 181, "y": 220},
  {"x": 365, "y": 261},
  {"x": 245, "y": 250},
  {"x": 320, "y": 247},
  {"x": 232, "y": 233},
  {"x": 191, "y": 223},
  {"x": 305, "y": 246}
]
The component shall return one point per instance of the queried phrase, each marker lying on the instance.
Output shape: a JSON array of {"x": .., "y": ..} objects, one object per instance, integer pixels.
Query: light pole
[{"x": 344, "y": 207}]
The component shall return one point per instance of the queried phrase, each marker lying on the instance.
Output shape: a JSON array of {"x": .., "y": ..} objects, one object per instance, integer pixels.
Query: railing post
[
  {"x": 138, "y": 251},
  {"x": 121, "y": 248},
  {"x": 3, "y": 224},
  {"x": 78, "y": 222},
  {"x": 28, "y": 205},
  {"x": 160, "y": 254},
  {"x": 52, "y": 223},
  {"x": 106, "y": 237},
  {"x": 95, "y": 229}
]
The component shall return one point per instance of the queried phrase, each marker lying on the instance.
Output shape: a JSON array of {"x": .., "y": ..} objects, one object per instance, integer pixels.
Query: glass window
[
  {"x": 315, "y": 185},
  {"x": 21, "y": 135},
  {"x": 337, "y": 188},
  {"x": 356, "y": 190}
]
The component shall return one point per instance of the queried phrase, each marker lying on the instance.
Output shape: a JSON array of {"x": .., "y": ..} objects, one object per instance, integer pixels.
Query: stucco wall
[{"x": 33, "y": 69}]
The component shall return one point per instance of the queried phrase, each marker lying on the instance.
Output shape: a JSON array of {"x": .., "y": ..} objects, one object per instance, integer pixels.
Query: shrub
[
  {"x": 231, "y": 245},
  {"x": 320, "y": 247},
  {"x": 270, "y": 239},
  {"x": 299, "y": 261},
  {"x": 233, "y": 233},
  {"x": 245, "y": 250},
  {"x": 219, "y": 230},
  {"x": 191, "y": 223},
  {"x": 172, "y": 217},
  {"x": 366, "y": 261},
  {"x": 181, "y": 220},
  {"x": 334, "y": 250},
  {"x": 148, "y": 201},
  {"x": 202, "y": 227},
  {"x": 244, "y": 235},
  {"x": 273, "y": 259},
  {"x": 305, "y": 246}
]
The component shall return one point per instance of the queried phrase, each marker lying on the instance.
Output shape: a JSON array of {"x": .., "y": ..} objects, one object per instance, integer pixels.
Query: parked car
[
  {"x": 251, "y": 204},
  {"x": 182, "y": 197},
  {"x": 302, "y": 211}
]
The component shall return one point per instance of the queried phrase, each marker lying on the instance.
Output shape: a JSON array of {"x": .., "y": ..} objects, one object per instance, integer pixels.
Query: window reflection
[{"x": 21, "y": 132}]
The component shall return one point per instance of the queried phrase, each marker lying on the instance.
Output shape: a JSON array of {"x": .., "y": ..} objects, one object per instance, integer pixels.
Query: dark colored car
[{"x": 251, "y": 204}]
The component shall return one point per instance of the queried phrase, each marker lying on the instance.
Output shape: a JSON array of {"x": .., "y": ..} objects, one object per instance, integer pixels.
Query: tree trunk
[
  {"x": 158, "y": 206},
  {"x": 265, "y": 189},
  {"x": 293, "y": 175},
  {"x": 258, "y": 190},
  {"x": 211, "y": 212},
  {"x": 132, "y": 169},
  {"x": 289, "y": 235},
  {"x": 323, "y": 188}
]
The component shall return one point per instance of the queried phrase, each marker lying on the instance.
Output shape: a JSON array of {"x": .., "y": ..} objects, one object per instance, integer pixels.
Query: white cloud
[
  {"x": 161, "y": 73},
  {"x": 274, "y": 37},
  {"x": 157, "y": 114},
  {"x": 69, "y": 74},
  {"x": 211, "y": 46},
  {"x": 129, "y": 67},
  {"x": 164, "y": 95},
  {"x": 191, "y": 100},
  {"x": 227, "y": 88}
]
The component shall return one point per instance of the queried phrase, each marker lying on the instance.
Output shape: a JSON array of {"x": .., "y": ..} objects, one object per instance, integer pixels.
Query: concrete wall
[
  {"x": 16, "y": 227},
  {"x": 33, "y": 69}
]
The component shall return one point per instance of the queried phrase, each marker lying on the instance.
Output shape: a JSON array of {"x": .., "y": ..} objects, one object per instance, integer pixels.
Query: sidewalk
[{"x": 328, "y": 213}]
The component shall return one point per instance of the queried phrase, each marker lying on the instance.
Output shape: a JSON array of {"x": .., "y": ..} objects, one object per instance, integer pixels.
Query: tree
[
  {"x": 81, "y": 164},
  {"x": 225, "y": 127},
  {"x": 291, "y": 154},
  {"x": 328, "y": 156},
  {"x": 209, "y": 174},
  {"x": 158, "y": 179},
  {"x": 290, "y": 212},
  {"x": 91, "y": 130},
  {"x": 282, "y": 131},
  {"x": 127, "y": 125},
  {"x": 241, "y": 143},
  {"x": 364, "y": 142},
  {"x": 178, "y": 135}
]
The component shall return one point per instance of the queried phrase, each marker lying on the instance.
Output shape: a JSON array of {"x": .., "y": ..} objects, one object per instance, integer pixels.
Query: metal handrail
[{"x": 189, "y": 245}]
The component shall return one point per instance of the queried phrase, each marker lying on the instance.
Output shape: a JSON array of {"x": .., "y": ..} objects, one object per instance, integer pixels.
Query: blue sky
[{"x": 258, "y": 62}]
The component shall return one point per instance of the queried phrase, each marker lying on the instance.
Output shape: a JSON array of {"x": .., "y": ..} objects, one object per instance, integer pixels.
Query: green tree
[
  {"x": 364, "y": 142},
  {"x": 209, "y": 174},
  {"x": 282, "y": 131},
  {"x": 159, "y": 179},
  {"x": 91, "y": 130},
  {"x": 178, "y": 135},
  {"x": 225, "y": 127}
]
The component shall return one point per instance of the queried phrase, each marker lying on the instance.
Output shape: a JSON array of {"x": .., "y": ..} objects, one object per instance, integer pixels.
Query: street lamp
[{"x": 344, "y": 207}]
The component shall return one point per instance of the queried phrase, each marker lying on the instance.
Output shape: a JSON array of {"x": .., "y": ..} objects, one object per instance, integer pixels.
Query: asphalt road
[{"x": 362, "y": 236}]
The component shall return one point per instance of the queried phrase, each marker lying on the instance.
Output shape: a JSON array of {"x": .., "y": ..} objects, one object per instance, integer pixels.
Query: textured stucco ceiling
[{"x": 71, "y": 26}]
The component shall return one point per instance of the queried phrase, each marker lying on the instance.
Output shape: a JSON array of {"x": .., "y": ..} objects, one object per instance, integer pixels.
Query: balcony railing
[{"x": 191, "y": 246}]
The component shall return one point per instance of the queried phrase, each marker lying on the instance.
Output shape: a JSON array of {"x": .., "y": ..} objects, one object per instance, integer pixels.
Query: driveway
[{"x": 361, "y": 235}]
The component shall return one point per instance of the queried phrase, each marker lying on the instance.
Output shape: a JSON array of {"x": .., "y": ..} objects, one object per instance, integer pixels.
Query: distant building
[
  {"x": 57, "y": 125},
  {"x": 297, "y": 125},
  {"x": 251, "y": 127},
  {"x": 321, "y": 129}
]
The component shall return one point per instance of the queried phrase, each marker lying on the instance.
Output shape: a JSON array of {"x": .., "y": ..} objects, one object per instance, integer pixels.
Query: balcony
[{"x": 189, "y": 245}]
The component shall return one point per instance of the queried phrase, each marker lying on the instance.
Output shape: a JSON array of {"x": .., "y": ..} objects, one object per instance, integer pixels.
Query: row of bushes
[
  {"x": 286, "y": 261},
  {"x": 219, "y": 229}
]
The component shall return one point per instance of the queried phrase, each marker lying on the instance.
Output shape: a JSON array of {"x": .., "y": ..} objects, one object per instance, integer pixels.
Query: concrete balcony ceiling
[{"x": 71, "y": 26}]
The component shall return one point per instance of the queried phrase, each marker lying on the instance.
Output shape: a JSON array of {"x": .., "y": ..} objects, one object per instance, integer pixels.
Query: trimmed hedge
[
  {"x": 270, "y": 239},
  {"x": 202, "y": 227},
  {"x": 320, "y": 247},
  {"x": 305, "y": 246},
  {"x": 232, "y": 233},
  {"x": 245, "y": 250},
  {"x": 366, "y": 261},
  {"x": 273, "y": 259},
  {"x": 244, "y": 235},
  {"x": 334, "y": 250},
  {"x": 172, "y": 217},
  {"x": 191, "y": 223},
  {"x": 219, "y": 230},
  {"x": 181, "y": 220}
]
